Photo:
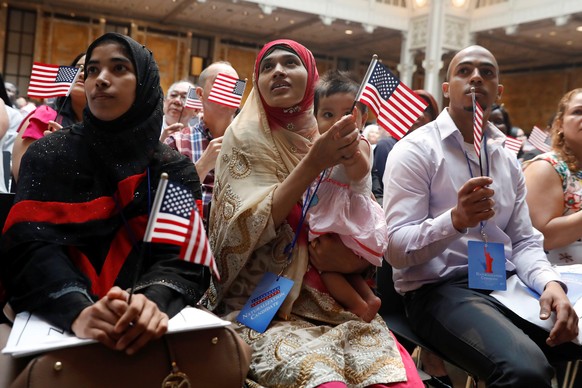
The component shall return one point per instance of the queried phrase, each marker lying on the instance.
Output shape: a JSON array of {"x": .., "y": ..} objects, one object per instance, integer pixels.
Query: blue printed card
[
  {"x": 487, "y": 266},
  {"x": 265, "y": 301}
]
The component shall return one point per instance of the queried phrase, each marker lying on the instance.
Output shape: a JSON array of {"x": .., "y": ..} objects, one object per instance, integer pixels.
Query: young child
[{"x": 343, "y": 203}]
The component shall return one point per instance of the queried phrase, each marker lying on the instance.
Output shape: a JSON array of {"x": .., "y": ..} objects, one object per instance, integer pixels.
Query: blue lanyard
[
  {"x": 482, "y": 223},
  {"x": 304, "y": 209},
  {"x": 486, "y": 158}
]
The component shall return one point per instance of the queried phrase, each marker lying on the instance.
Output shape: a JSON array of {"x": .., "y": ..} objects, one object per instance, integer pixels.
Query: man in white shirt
[
  {"x": 10, "y": 120},
  {"x": 436, "y": 201}
]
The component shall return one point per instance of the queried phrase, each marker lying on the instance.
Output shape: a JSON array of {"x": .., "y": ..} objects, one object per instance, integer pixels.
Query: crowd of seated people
[{"x": 85, "y": 178}]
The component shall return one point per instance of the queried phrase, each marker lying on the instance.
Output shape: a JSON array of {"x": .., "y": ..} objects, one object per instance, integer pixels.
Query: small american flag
[
  {"x": 227, "y": 90},
  {"x": 51, "y": 80},
  {"x": 513, "y": 144},
  {"x": 196, "y": 248},
  {"x": 539, "y": 139},
  {"x": 175, "y": 220},
  {"x": 477, "y": 128},
  {"x": 192, "y": 100},
  {"x": 170, "y": 217},
  {"x": 395, "y": 105}
]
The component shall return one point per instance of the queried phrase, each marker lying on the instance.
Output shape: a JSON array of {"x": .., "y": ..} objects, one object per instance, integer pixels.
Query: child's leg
[
  {"x": 342, "y": 291},
  {"x": 362, "y": 288}
]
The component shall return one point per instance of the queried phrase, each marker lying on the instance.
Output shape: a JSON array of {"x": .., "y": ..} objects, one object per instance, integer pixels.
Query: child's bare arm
[{"x": 358, "y": 165}]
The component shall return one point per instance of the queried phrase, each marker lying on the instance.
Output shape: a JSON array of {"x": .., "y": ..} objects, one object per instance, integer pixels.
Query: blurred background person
[
  {"x": 12, "y": 91},
  {"x": 44, "y": 119},
  {"x": 24, "y": 105},
  {"x": 372, "y": 134},
  {"x": 500, "y": 118},
  {"x": 554, "y": 185},
  {"x": 10, "y": 119},
  {"x": 176, "y": 115},
  {"x": 202, "y": 142}
]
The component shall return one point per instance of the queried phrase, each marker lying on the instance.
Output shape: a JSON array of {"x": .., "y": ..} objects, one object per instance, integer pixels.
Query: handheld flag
[
  {"x": 539, "y": 139},
  {"x": 513, "y": 144},
  {"x": 227, "y": 90},
  {"x": 478, "y": 131},
  {"x": 395, "y": 105},
  {"x": 477, "y": 128},
  {"x": 196, "y": 248},
  {"x": 51, "y": 80},
  {"x": 192, "y": 100},
  {"x": 176, "y": 220}
]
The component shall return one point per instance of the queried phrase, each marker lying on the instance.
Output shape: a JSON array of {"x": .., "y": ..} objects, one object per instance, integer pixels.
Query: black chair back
[
  {"x": 392, "y": 301},
  {"x": 6, "y": 201}
]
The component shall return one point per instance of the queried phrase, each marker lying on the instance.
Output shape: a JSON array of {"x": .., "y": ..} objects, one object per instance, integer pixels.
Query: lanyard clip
[{"x": 483, "y": 234}]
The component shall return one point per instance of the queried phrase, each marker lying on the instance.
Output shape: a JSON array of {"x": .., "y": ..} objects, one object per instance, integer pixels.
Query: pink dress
[
  {"x": 38, "y": 123},
  {"x": 349, "y": 210}
]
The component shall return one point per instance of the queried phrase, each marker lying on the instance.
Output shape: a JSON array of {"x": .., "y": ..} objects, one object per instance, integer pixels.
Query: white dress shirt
[
  {"x": 6, "y": 144},
  {"x": 423, "y": 174}
]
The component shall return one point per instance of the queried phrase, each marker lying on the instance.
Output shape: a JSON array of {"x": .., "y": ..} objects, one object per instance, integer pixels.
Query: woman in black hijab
[{"x": 72, "y": 241}]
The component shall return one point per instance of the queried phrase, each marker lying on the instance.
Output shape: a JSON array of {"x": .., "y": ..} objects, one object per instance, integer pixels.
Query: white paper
[
  {"x": 525, "y": 302},
  {"x": 30, "y": 334}
]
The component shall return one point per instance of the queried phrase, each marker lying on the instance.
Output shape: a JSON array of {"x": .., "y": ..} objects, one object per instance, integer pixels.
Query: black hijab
[
  {"x": 133, "y": 138},
  {"x": 120, "y": 159}
]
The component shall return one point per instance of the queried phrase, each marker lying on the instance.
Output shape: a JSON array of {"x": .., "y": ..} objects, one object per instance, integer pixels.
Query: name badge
[
  {"x": 487, "y": 266},
  {"x": 265, "y": 301}
]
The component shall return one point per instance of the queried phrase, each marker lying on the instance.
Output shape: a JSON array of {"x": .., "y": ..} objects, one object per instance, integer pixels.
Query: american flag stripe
[
  {"x": 168, "y": 228},
  {"x": 395, "y": 105},
  {"x": 175, "y": 220},
  {"x": 538, "y": 139},
  {"x": 169, "y": 220},
  {"x": 227, "y": 90},
  {"x": 399, "y": 127},
  {"x": 372, "y": 95},
  {"x": 477, "y": 128},
  {"x": 411, "y": 99},
  {"x": 197, "y": 247},
  {"x": 513, "y": 144},
  {"x": 192, "y": 100},
  {"x": 50, "y": 80}
]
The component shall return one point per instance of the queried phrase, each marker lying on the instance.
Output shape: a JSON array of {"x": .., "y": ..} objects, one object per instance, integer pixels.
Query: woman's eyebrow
[{"x": 114, "y": 59}]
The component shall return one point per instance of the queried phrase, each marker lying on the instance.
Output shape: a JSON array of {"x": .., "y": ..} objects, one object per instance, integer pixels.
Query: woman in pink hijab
[{"x": 271, "y": 156}]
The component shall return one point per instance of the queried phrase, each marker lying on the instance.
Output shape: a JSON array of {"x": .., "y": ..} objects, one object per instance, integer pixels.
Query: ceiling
[{"x": 534, "y": 45}]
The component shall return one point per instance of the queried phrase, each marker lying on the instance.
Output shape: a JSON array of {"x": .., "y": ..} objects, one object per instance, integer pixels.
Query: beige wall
[
  {"x": 532, "y": 98},
  {"x": 169, "y": 52},
  {"x": 63, "y": 40}
]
